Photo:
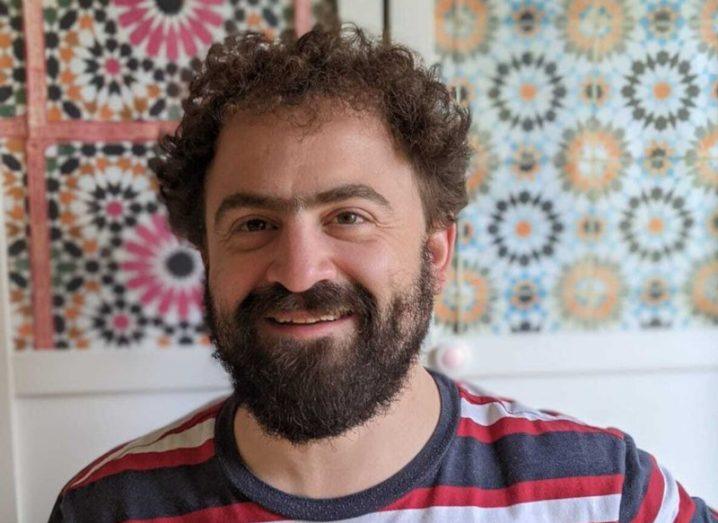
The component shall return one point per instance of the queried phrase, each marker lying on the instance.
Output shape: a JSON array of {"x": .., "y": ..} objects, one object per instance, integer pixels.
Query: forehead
[
  {"x": 289, "y": 156},
  {"x": 302, "y": 134}
]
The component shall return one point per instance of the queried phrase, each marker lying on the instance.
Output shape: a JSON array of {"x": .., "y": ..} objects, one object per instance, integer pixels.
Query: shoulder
[
  {"x": 193, "y": 435},
  {"x": 157, "y": 455},
  {"x": 534, "y": 455},
  {"x": 489, "y": 418}
]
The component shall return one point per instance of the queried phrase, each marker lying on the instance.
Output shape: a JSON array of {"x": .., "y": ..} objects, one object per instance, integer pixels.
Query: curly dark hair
[{"x": 341, "y": 65}]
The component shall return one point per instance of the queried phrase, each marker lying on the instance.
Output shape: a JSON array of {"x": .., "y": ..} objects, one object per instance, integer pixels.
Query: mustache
[{"x": 325, "y": 297}]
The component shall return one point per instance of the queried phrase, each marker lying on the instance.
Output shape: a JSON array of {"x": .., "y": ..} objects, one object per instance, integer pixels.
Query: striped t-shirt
[{"x": 488, "y": 460}]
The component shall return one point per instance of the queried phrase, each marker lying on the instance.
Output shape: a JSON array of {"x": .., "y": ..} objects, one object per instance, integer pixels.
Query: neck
[{"x": 352, "y": 462}]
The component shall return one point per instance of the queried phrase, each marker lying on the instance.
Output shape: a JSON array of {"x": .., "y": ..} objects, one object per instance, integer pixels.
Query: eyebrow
[{"x": 343, "y": 192}]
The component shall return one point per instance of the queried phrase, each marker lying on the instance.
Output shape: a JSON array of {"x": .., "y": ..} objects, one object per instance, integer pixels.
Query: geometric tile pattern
[
  {"x": 12, "y": 59},
  {"x": 132, "y": 59},
  {"x": 14, "y": 187},
  {"x": 116, "y": 275},
  {"x": 119, "y": 277},
  {"x": 594, "y": 183},
  {"x": 594, "y": 189}
]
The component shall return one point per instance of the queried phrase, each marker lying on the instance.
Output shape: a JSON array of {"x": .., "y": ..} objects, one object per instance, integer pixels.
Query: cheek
[
  {"x": 379, "y": 269},
  {"x": 380, "y": 266},
  {"x": 230, "y": 282}
]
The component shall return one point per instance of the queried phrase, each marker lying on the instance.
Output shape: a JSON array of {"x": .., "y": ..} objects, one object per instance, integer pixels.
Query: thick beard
[{"x": 308, "y": 390}]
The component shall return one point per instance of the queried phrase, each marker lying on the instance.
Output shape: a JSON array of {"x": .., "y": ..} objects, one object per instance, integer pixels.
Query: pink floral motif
[
  {"x": 167, "y": 274},
  {"x": 176, "y": 25}
]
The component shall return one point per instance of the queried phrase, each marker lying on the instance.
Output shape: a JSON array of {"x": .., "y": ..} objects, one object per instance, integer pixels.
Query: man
[{"x": 320, "y": 180}]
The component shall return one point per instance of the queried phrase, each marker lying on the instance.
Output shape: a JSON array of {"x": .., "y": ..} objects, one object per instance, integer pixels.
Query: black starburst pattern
[
  {"x": 661, "y": 90},
  {"x": 527, "y": 91},
  {"x": 525, "y": 228},
  {"x": 656, "y": 224}
]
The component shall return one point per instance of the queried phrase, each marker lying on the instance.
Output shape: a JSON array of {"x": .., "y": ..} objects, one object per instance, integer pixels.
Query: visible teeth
[
  {"x": 316, "y": 320},
  {"x": 309, "y": 321}
]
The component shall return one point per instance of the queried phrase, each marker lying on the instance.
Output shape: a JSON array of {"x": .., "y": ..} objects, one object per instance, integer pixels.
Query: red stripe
[
  {"x": 523, "y": 492},
  {"x": 302, "y": 17},
  {"x": 686, "y": 507},
  {"x": 197, "y": 418},
  {"x": 35, "y": 75},
  {"x": 653, "y": 498},
  {"x": 577, "y": 426},
  {"x": 505, "y": 426},
  {"x": 152, "y": 460},
  {"x": 13, "y": 127},
  {"x": 40, "y": 267},
  {"x": 89, "y": 467},
  {"x": 36, "y": 87},
  {"x": 71, "y": 130},
  {"x": 480, "y": 400},
  {"x": 107, "y": 131},
  {"x": 246, "y": 511}
]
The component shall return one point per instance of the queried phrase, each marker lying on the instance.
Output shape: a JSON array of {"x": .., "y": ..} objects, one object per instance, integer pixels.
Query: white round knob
[{"x": 452, "y": 356}]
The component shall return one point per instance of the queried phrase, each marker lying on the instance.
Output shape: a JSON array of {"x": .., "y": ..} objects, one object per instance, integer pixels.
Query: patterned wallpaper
[
  {"x": 119, "y": 277},
  {"x": 594, "y": 184},
  {"x": 129, "y": 59},
  {"x": 108, "y": 79},
  {"x": 595, "y": 180}
]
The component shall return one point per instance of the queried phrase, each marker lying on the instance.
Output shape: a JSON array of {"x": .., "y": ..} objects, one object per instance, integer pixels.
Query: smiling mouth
[{"x": 303, "y": 318}]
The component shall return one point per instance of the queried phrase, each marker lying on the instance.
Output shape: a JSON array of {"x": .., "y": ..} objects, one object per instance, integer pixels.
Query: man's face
[{"x": 320, "y": 274}]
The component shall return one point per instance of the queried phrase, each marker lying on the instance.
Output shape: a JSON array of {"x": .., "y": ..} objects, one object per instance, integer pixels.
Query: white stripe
[
  {"x": 576, "y": 510},
  {"x": 474, "y": 389},
  {"x": 194, "y": 436},
  {"x": 671, "y": 499},
  {"x": 490, "y": 413}
]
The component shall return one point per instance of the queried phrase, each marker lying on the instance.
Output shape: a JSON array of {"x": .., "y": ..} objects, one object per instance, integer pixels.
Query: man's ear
[{"x": 441, "y": 248}]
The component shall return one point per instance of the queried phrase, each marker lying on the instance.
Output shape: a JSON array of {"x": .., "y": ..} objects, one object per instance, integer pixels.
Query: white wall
[{"x": 8, "y": 492}]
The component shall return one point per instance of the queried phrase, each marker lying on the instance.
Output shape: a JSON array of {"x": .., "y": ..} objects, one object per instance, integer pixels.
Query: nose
[{"x": 301, "y": 257}]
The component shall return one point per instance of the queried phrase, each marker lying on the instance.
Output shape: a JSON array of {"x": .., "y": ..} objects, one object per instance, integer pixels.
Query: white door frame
[{"x": 8, "y": 425}]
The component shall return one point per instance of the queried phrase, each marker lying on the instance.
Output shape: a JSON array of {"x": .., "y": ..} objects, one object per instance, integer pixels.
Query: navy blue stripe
[
  {"x": 702, "y": 514},
  {"x": 417, "y": 473},
  {"x": 169, "y": 491},
  {"x": 639, "y": 466},
  {"x": 525, "y": 457},
  {"x": 446, "y": 460}
]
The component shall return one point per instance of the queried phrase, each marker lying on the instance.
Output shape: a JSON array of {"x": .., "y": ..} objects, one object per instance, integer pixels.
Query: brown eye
[
  {"x": 349, "y": 218},
  {"x": 253, "y": 225}
]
